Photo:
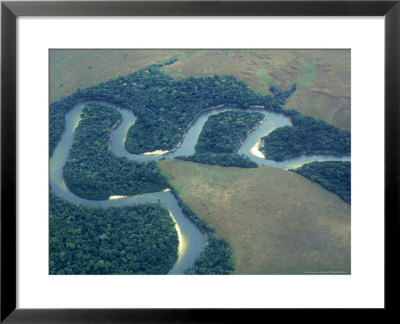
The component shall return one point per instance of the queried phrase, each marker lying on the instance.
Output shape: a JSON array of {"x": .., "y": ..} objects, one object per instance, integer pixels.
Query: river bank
[{"x": 255, "y": 150}]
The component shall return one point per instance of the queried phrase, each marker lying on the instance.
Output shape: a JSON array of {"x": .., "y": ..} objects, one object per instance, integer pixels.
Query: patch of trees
[
  {"x": 169, "y": 62},
  {"x": 307, "y": 135},
  {"x": 93, "y": 172},
  {"x": 139, "y": 239},
  {"x": 222, "y": 159},
  {"x": 215, "y": 259},
  {"x": 223, "y": 132},
  {"x": 281, "y": 95},
  {"x": 217, "y": 255},
  {"x": 164, "y": 107},
  {"x": 334, "y": 176}
]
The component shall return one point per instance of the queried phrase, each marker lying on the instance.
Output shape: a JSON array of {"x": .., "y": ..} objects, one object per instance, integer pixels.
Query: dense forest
[
  {"x": 93, "y": 172},
  {"x": 164, "y": 107},
  {"x": 223, "y": 132},
  {"x": 334, "y": 176},
  {"x": 139, "y": 239},
  {"x": 221, "y": 136},
  {"x": 307, "y": 135}
]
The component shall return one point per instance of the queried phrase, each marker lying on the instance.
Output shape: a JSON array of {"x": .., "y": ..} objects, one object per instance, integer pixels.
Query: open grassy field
[
  {"x": 276, "y": 222},
  {"x": 322, "y": 76}
]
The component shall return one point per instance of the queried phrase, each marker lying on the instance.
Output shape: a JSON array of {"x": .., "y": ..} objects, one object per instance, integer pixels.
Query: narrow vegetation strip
[
  {"x": 217, "y": 255},
  {"x": 222, "y": 159}
]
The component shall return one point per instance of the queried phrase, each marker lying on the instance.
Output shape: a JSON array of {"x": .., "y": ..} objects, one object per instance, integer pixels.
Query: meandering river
[{"x": 192, "y": 241}]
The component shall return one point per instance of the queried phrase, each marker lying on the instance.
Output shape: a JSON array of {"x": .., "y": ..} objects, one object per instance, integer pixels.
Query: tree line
[{"x": 222, "y": 159}]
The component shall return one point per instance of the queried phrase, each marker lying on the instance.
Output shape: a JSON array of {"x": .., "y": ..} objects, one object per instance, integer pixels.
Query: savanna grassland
[
  {"x": 322, "y": 76},
  {"x": 276, "y": 221}
]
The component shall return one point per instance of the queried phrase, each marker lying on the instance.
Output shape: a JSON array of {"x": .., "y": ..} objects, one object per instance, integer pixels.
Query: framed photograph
[{"x": 249, "y": 150}]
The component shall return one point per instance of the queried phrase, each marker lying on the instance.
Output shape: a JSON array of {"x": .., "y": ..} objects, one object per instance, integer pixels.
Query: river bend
[{"x": 192, "y": 240}]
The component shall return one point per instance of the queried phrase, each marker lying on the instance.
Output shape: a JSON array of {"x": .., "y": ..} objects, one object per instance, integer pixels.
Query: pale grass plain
[{"x": 276, "y": 221}]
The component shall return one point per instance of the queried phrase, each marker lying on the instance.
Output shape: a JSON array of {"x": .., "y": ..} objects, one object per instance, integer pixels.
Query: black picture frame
[{"x": 11, "y": 10}]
